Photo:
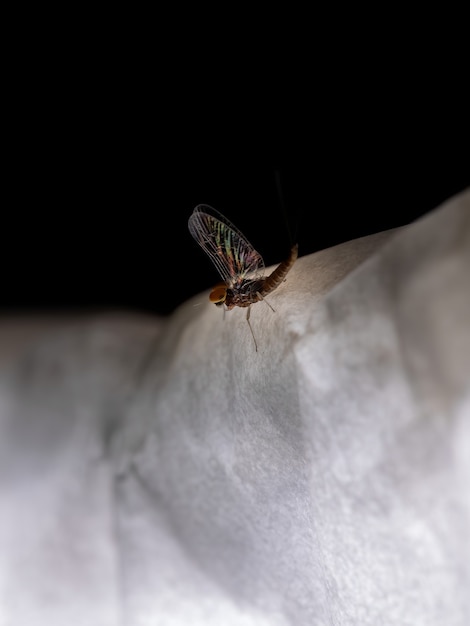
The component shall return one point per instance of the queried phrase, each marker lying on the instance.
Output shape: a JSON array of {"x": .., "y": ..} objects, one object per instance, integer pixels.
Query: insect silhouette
[{"x": 238, "y": 263}]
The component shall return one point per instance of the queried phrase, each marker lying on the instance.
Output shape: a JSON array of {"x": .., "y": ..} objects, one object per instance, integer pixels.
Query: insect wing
[{"x": 231, "y": 253}]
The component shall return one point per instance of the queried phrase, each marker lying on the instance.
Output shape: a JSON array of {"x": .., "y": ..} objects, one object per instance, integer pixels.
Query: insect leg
[
  {"x": 261, "y": 298},
  {"x": 252, "y": 333}
]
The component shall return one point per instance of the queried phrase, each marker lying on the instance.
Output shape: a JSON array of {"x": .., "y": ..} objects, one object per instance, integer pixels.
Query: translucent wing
[{"x": 233, "y": 256}]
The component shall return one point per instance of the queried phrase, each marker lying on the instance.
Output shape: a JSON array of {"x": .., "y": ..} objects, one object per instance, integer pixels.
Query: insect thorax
[{"x": 244, "y": 294}]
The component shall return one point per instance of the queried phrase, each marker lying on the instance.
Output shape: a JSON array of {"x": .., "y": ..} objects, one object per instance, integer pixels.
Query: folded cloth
[{"x": 163, "y": 471}]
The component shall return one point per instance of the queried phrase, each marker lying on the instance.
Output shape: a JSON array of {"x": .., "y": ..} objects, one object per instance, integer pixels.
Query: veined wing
[{"x": 232, "y": 254}]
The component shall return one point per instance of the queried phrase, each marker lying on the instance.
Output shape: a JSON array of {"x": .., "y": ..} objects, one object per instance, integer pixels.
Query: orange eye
[{"x": 218, "y": 294}]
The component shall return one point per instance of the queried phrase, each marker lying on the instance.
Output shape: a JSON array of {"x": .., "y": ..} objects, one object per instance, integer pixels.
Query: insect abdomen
[{"x": 275, "y": 278}]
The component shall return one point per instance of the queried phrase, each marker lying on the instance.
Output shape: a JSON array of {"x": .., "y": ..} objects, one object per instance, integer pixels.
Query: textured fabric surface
[{"x": 164, "y": 472}]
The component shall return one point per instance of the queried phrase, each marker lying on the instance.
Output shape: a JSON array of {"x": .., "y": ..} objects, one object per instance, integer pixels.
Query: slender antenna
[
  {"x": 277, "y": 175},
  {"x": 292, "y": 238}
]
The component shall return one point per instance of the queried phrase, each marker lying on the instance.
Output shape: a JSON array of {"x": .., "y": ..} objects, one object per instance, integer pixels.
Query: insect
[{"x": 237, "y": 262}]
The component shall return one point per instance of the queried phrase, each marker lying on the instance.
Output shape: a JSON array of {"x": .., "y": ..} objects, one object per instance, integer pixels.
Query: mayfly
[{"x": 237, "y": 262}]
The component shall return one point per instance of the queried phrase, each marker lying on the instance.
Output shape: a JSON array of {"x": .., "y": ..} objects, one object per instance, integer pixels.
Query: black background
[
  {"x": 111, "y": 139},
  {"x": 111, "y": 232}
]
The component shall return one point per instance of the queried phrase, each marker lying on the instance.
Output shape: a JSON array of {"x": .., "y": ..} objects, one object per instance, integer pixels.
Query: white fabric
[{"x": 163, "y": 472}]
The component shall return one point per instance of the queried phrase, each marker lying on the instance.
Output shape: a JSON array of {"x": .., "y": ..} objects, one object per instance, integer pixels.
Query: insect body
[{"x": 237, "y": 262}]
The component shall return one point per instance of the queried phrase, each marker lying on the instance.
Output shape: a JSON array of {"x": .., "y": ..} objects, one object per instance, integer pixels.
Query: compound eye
[{"x": 218, "y": 294}]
